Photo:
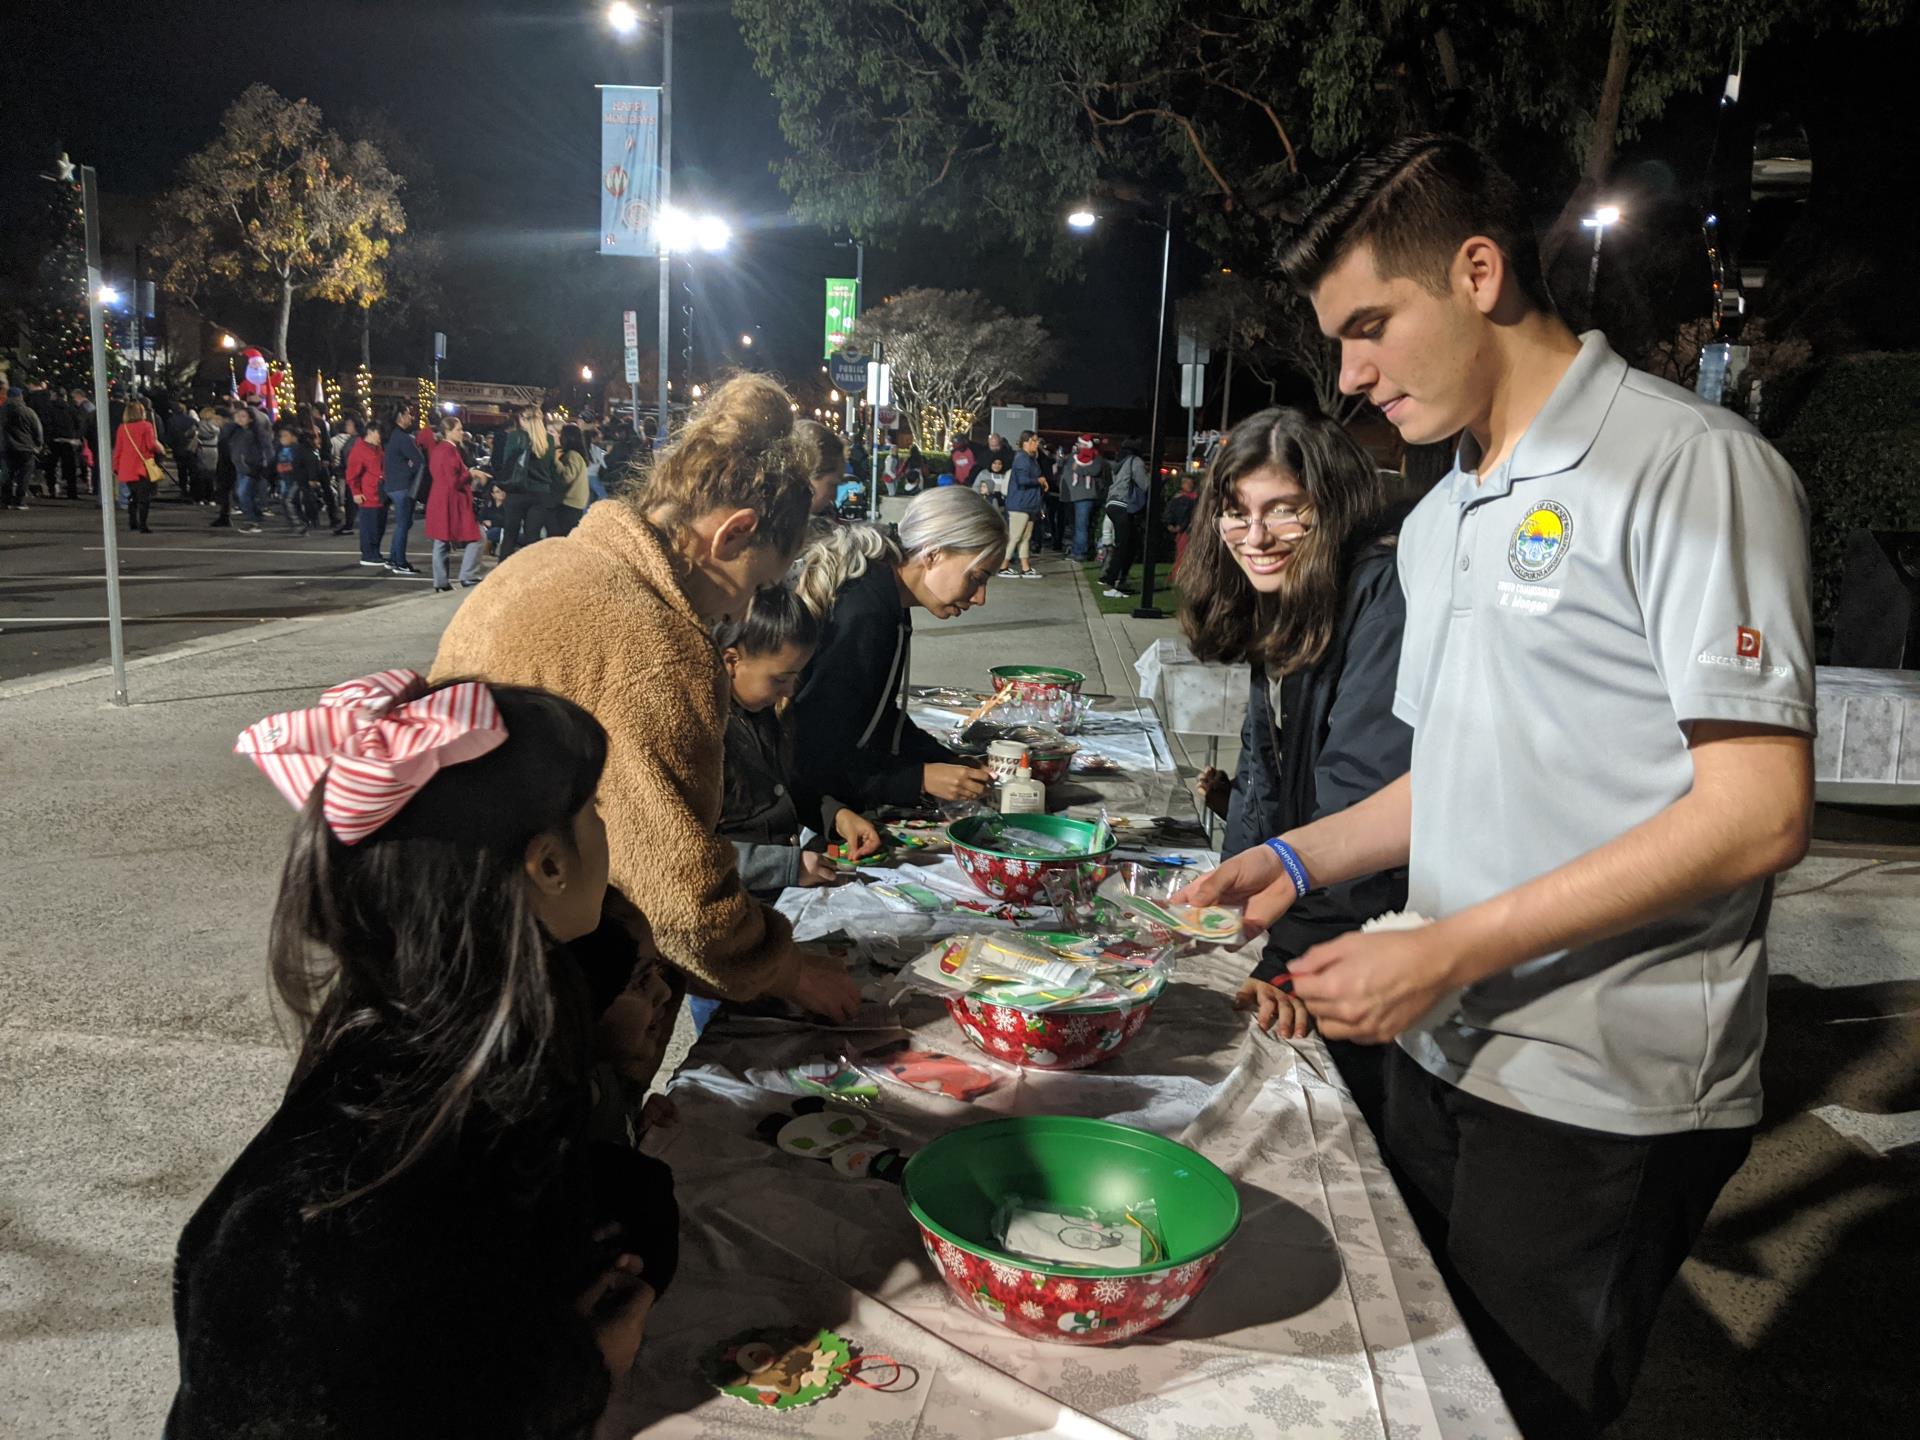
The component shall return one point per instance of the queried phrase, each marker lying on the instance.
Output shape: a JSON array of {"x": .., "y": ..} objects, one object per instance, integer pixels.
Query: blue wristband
[{"x": 1296, "y": 869}]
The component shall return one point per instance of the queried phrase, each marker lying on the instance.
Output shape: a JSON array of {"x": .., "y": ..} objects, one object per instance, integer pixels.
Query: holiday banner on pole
[
  {"x": 629, "y": 169},
  {"x": 843, "y": 304}
]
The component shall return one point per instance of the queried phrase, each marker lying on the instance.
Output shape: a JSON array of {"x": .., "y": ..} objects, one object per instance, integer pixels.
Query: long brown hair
[
  {"x": 1223, "y": 616},
  {"x": 416, "y": 958}
]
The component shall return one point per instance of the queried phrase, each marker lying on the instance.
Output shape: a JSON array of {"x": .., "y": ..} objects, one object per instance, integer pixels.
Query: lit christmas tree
[{"x": 58, "y": 334}]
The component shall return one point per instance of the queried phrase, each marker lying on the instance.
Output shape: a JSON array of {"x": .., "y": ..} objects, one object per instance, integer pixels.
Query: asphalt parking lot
[{"x": 182, "y": 582}]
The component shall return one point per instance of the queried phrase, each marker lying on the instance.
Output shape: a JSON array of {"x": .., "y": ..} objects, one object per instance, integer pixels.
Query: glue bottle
[{"x": 1023, "y": 795}]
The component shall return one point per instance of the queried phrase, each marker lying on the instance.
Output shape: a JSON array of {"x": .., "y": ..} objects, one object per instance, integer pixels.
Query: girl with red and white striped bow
[{"x": 425, "y": 1238}]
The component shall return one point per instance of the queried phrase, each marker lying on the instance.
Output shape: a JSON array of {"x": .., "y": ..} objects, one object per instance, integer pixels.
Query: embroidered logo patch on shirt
[
  {"x": 1746, "y": 643},
  {"x": 1540, "y": 541}
]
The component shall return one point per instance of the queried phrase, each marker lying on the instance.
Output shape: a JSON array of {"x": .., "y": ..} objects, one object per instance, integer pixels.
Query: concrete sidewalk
[{"x": 138, "y": 1052}]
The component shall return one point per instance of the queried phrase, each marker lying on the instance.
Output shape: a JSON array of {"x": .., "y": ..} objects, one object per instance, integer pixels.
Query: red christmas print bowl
[
  {"x": 1048, "y": 695},
  {"x": 1049, "y": 1039},
  {"x": 1003, "y": 867},
  {"x": 956, "y": 1185}
]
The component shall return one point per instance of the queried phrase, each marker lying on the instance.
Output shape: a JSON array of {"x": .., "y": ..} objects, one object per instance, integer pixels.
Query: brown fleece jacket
[{"x": 600, "y": 617}]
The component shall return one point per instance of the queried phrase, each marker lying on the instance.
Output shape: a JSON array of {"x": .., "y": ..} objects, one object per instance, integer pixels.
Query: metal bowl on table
[
  {"x": 1003, "y": 870},
  {"x": 956, "y": 1186}
]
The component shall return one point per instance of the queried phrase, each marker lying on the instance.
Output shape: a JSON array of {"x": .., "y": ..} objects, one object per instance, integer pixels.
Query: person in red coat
[
  {"x": 134, "y": 444},
  {"x": 365, "y": 463},
  {"x": 450, "y": 518}
]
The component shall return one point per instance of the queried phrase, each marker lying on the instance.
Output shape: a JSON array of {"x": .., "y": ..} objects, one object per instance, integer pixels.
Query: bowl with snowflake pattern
[
  {"x": 1024, "y": 859},
  {"x": 956, "y": 1187},
  {"x": 1069, "y": 1038}
]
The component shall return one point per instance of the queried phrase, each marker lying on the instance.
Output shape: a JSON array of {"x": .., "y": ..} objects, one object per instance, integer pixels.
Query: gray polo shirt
[{"x": 1639, "y": 563}]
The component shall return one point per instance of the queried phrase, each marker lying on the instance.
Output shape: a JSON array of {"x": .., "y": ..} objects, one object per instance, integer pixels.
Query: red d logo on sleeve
[{"x": 1747, "y": 643}]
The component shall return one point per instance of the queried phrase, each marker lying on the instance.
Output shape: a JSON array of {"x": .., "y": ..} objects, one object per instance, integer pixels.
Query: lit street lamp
[
  {"x": 680, "y": 232},
  {"x": 586, "y": 374},
  {"x": 624, "y": 20},
  {"x": 109, "y": 295},
  {"x": 227, "y": 342},
  {"x": 747, "y": 340},
  {"x": 1083, "y": 220},
  {"x": 1598, "y": 222}
]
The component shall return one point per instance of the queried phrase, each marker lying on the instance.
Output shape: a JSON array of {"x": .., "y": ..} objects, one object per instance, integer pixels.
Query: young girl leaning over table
[
  {"x": 762, "y": 809},
  {"x": 423, "y": 1239}
]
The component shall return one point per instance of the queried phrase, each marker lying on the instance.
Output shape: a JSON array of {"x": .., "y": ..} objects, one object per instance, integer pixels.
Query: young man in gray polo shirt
[{"x": 1608, "y": 667}]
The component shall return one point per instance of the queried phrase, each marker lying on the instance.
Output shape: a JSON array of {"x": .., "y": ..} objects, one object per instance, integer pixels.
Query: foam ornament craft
[
  {"x": 779, "y": 1369},
  {"x": 854, "y": 1145}
]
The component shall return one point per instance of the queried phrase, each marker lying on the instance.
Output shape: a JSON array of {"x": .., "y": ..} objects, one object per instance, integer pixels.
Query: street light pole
[
  {"x": 103, "y": 439},
  {"x": 1597, "y": 222},
  {"x": 1146, "y": 609},
  {"x": 666, "y": 196}
]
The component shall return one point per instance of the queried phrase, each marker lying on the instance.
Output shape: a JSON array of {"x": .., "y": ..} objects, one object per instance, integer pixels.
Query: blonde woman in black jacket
[{"x": 852, "y": 733}]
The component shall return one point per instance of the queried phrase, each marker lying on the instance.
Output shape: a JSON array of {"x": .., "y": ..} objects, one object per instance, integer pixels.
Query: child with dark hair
[
  {"x": 299, "y": 473},
  {"x": 424, "y": 1239},
  {"x": 761, "y": 811}
]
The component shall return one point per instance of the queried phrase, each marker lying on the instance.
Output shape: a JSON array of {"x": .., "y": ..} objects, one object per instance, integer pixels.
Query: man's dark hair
[{"x": 1414, "y": 203}]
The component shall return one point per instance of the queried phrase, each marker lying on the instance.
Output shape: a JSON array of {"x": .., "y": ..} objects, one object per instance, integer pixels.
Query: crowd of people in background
[
  {"x": 375, "y": 475},
  {"x": 371, "y": 476}
]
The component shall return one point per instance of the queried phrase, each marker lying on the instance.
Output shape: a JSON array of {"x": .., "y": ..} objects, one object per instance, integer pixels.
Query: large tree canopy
[
  {"x": 279, "y": 207},
  {"x": 951, "y": 351},
  {"x": 942, "y": 111}
]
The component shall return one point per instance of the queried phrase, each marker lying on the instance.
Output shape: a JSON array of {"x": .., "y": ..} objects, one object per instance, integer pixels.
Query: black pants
[
  {"x": 63, "y": 456},
  {"x": 1120, "y": 558},
  {"x": 17, "y": 475},
  {"x": 139, "y": 504},
  {"x": 522, "y": 520},
  {"x": 1557, "y": 1241},
  {"x": 223, "y": 486},
  {"x": 300, "y": 505},
  {"x": 562, "y": 518}
]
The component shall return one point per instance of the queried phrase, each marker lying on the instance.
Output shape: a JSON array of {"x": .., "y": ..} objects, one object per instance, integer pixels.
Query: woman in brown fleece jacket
[{"x": 617, "y": 617}]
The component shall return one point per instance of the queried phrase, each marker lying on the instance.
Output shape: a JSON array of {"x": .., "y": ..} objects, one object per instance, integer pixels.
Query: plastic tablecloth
[{"x": 1325, "y": 1318}]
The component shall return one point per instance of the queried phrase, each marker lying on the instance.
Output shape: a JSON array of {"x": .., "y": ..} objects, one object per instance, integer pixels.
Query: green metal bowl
[
  {"x": 1022, "y": 879},
  {"x": 955, "y": 1186}
]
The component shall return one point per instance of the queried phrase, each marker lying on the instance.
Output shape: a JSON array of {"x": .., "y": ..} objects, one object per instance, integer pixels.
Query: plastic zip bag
[
  {"x": 1080, "y": 1236},
  {"x": 1144, "y": 891}
]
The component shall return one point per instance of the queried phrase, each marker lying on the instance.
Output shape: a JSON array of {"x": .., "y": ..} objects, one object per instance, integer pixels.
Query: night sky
[{"x": 499, "y": 99}]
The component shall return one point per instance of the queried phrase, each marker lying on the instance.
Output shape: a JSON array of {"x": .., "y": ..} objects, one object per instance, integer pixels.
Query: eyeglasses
[{"x": 1282, "y": 522}]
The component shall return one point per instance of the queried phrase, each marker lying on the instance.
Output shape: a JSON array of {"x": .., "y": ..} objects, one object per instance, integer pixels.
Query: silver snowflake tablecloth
[{"x": 1326, "y": 1317}]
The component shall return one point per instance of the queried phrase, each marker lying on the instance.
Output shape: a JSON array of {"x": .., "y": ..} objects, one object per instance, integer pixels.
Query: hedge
[{"x": 1854, "y": 440}]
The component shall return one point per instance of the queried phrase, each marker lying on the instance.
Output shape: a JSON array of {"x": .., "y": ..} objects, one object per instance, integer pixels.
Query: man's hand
[
  {"x": 859, "y": 834},
  {"x": 957, "y": 782},
  {"x": 1278, "y": 1013},
  {"x": 1372, "y": 988},
  {"x": 1254, "y": 878}
]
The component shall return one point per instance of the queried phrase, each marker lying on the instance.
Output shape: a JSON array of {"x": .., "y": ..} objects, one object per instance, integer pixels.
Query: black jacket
[
  {"x": 404, "y": 466},
  {"x": 440, "y": 1304},
  {"x": 1338, "y": 743},
  {"x": 20, "y": 428},
  {"x": 68, "y": 422},
  {"x": 762, "y": 807},
  {"x": 851, "y": 738}
]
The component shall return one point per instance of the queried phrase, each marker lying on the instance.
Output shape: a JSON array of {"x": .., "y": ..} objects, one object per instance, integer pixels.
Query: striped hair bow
[{"x": 372, "y": 743}]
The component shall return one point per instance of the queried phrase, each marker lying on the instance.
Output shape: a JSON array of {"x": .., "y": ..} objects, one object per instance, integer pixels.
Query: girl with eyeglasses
[{"x": 1290, "y": 570}]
